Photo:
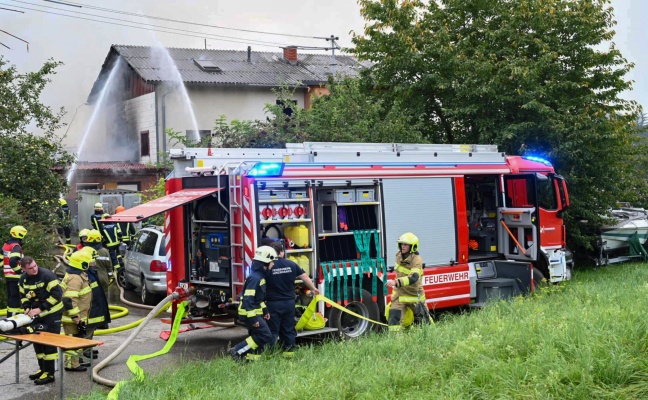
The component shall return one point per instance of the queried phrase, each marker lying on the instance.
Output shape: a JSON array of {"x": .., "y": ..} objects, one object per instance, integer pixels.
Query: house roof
[{"x": 232, "y": 67}]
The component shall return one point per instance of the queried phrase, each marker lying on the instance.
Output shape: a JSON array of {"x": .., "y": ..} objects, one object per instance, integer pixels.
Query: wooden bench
[{"x": 61, "y": 342}]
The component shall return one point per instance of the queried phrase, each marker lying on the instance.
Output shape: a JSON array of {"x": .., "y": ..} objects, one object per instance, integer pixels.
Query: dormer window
[{"x": 207, "y": 65}]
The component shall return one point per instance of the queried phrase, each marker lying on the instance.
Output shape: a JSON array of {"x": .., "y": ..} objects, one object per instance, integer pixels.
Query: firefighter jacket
[
  {"x": 63, "y": 213},
  {"x": 99, "y": 312},
  {"x": 77, "y": 299},
  {"x": 12, "y": 252},
  {"x": 127, "y": 231},
  {"x": 94, "y": 221},
  {"x": 104, "y": 266},
  {"x": 409, "y": 279},
  {"x": 111, "y": 234},
  {"x": 41, "y": 291},
  {"x": 252, "y": 305}
]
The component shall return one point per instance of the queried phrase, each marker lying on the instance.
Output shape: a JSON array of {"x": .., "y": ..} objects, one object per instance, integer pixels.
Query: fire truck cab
[{"x": 489, "y": 225}]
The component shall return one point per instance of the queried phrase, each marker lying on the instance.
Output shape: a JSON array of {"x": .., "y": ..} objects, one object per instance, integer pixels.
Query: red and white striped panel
[{"x": 167, "y": 238}]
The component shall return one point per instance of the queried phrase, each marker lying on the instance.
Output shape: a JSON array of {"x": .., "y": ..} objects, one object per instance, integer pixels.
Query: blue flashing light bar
[
  {"x": 264, "y": 169},
  {"x": 537, "y": 159}
]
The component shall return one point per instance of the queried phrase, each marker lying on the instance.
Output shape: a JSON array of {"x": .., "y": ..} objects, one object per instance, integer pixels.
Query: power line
[
  {"x": 189, "y": 34},
  {"x": 9, "y": 9},
  {"x": 72, "y": 4}
]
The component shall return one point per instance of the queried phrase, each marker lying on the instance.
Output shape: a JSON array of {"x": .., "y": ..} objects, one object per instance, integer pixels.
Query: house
[{"x": 142, "y": 91}]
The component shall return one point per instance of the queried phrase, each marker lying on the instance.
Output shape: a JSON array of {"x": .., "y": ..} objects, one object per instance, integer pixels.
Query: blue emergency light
[
  {"x": 264, "y": 169},
  {"x": 537, "y": 159}
]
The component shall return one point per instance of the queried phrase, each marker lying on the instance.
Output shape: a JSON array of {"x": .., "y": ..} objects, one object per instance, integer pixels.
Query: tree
[
  {"x": 527, "y": 75},
  {"x": 27, "y": 159}
]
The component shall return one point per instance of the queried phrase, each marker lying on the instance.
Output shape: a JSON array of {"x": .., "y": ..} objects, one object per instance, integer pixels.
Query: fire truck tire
[
  {"x": 351, "y": 326},
  {"x": 121, "y": 280},
  {"x": 147, "y": 297},
  {"x": 538, "y": 278}
]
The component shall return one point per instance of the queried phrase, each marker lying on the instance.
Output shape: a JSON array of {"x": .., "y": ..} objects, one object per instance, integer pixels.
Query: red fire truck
[{"x": 489, "y": 225}]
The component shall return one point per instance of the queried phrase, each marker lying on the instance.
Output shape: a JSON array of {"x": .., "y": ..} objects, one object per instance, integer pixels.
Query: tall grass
[{"x": 582, "y": 340}]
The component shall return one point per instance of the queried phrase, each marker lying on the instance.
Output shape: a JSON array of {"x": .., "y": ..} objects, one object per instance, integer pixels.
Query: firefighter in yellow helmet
[
  {"x": 13, "y": 252},
  {"x": 99, "y": 314},
  {"x": 96, "y": 216},
  {"x": 104, "y": 265},
  {"x": 64, "y": 223},
  {"x": 83, "y": 236},
  {"x": 77, "y": 300},
  {"x": 407, "y": 287}
]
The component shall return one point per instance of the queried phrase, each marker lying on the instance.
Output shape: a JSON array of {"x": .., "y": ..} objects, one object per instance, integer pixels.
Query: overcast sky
[{"x": 83, "y": 45}]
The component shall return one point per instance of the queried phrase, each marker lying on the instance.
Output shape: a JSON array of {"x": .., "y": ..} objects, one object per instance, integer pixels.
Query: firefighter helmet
[
  {"x": 105, "y": 215},
  {"x": 93, "y": 236},
  {"x": 62, "y": 202},
  {"x": 98, "y": 206},
  {"x": 83, "y": 232},
  {"x": 119, "y": 209},
  {"x": 80, "y": 260},
  {"x": 18, "y": 231},
  {"x": 265, "y": 254},
  {"x": 411, "y": 239},
  {"x": 93, "y": 253}
]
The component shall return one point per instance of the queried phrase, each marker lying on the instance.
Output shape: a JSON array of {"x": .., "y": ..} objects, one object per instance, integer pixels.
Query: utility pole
[{"x": 334, "y": 46}]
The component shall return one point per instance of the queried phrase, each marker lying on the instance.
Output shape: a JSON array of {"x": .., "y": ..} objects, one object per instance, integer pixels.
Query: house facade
[{"x": 143, "y": 91}]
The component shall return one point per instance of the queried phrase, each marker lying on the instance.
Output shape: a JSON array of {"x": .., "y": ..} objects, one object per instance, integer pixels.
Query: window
[
  {"x": 145, "y": 148},
  {"x": 207, "y": 65},
  {"x": 547, "y": 196},
  {"x": 147, "y": 243}
]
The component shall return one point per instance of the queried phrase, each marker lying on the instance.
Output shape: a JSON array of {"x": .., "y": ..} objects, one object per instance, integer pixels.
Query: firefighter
[
  {"x": 83, "y": 236},
  {"x": 127, "y": 229},
  {"x": 41, "y": 296},
  {"x": 252, "y": 310},
  {"x": 104, "y": 267},
  {"x": 407, "y": 287},
  {"x": 280, "y": 298},
  {"x": 13, "y": 252},
  {"x": 99, "y": 313},
  {"x": 94, "y": 218},
  {"x": 77, "y": 300},
  {"x": 111, "y": 236},
  {"x": 64, "y": 220}
]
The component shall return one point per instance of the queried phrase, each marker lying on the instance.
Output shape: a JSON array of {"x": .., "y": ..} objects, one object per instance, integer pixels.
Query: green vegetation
[{"x": 585, "y": 339}]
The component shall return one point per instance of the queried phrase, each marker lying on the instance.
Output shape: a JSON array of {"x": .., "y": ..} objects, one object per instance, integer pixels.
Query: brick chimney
[{"x": 290, "y": 53}]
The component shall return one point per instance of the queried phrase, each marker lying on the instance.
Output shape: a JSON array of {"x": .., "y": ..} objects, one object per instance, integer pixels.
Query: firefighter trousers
[
  {"x": 47, "y": 355},
  {"x": 255, "y": 343},
  {"x": 282, "y": 322},
  {"x": 13, "y": 297}
]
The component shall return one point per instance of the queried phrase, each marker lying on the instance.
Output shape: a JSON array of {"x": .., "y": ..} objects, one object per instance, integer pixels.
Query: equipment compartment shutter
[
  {"x": 160, "y": 205},
  {"x": 425, "y": 207}
]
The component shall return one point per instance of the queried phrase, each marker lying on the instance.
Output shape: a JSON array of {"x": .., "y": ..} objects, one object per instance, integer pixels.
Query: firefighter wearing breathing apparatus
[
  {"x": 77, "y": 299},
  {"x": 407, "y": 287},
  {"x": 13, "y": 252},
  {"x": 111, "y": 236},
  {"x": 104, "y": 268},
  {"x": 41, "y": 296},
  {"x": 252, "y": 309}
]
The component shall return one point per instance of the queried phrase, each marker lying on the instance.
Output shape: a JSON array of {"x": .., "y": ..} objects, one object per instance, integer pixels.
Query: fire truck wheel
[
  {"x": 147, "y": 297},
  {"x": 538, "y": 278},
  {"x": 121, "y": 280},
  {"x": 351, "y": 326}
]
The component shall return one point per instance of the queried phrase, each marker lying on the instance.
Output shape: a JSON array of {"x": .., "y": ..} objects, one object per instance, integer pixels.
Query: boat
[{"x": 626, "y": 222}]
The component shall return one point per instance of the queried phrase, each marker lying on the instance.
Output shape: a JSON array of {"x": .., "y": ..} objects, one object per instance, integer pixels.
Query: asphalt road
[{"x": 192, "y": 345}]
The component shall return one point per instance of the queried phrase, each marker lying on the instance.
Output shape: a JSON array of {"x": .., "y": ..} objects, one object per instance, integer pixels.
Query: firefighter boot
[
  {"x": 236, "y": 356},
  {"x": 45, "y": 378},
  {"x": 39, "y": 372}
]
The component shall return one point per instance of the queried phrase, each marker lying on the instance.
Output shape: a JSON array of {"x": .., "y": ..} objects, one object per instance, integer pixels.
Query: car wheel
[
  {"x": 147, "y": 297},
  {"x": 122, "y": 281}
]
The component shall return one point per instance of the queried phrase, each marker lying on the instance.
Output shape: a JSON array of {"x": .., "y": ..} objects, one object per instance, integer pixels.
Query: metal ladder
[{"x": 237, "y": 235}]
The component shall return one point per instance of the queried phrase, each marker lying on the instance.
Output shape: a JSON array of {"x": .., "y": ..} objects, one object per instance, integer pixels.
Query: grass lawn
[{"x": 585, "y": 339}]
